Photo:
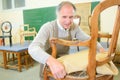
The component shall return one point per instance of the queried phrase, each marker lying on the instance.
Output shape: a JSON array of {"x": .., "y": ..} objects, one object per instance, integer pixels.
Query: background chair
[
  {"x": 77, "y": 20},
  {"x": 6, "y": 29},
  {"x": 26, "y": 31},
  {"x": 92, "y": 62}
]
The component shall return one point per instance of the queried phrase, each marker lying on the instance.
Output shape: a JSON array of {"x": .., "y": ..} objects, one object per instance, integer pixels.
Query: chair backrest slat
[
  {"x": 94, "y": 30},
  {"x": 115, "y": 33}
]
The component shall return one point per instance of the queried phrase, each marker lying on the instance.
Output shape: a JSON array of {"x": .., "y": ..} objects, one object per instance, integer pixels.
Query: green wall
[
  {"x": 37, "y": 17},
  {"x": 93, "y": 4}
]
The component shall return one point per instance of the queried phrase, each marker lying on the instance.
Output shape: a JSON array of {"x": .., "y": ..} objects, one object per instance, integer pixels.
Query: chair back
[
  {"x": 94, "y": 35},
  {"x": 77, "y": 20},
  {"x": 6, "y": 28}
]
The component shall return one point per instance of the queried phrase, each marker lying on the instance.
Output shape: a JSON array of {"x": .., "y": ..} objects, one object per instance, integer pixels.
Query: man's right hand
[{"x": 56, "y": 67}]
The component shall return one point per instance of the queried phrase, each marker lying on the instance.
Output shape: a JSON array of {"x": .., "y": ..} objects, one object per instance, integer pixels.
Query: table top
[{"x": 15, "y": 47}]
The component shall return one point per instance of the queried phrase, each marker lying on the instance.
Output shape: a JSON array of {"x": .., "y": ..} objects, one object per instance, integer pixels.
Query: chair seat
[
  {"x": 82, "y": 75},
  {"x": 69, "y": 61}
]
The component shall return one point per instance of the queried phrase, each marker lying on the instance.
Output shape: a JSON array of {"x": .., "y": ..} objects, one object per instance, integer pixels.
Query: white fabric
[{"x": 79, "y": 61}]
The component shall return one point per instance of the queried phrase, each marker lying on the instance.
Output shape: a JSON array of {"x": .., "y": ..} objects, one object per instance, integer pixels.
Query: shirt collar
[{"x": 59, "y": 26}]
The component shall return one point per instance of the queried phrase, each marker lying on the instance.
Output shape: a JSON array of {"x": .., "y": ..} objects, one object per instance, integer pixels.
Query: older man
[{"x": 63, "y": 28}]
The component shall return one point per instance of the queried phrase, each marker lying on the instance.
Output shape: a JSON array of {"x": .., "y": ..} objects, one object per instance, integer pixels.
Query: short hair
[{"x": 58, "y": 8}]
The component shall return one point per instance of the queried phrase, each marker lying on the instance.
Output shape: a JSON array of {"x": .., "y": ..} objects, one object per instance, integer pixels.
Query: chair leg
[
  {"x": 78, "y": 48},
  {"x": 26, "y": 61},
  {"x": 11, "y": 57},
  {"x": 45, "y": 77},
  {"x": 31, "y": 60},
  {"x": 8, "y": 58}
]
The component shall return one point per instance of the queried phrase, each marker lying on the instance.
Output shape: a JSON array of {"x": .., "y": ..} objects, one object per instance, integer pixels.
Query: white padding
[{"x": 79, "y": 61}]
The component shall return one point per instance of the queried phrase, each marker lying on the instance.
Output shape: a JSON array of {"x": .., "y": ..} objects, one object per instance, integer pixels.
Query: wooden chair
[
  {"x": 92, "y": 62},
  {"x": 77, "y": 19},
  {"x": 6, "y": 28},
  {"x": 25, "y": 31}
]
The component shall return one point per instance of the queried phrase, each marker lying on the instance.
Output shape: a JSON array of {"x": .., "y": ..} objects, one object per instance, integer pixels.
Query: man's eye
[
  {"x": 64, "y": 16},
  {"x": 71, "y": 17}
]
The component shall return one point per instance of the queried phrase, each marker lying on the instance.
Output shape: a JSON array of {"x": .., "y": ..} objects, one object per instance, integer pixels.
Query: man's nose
[{"x": 68, "y": 20}]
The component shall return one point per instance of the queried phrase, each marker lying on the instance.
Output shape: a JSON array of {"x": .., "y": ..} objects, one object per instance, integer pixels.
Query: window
[
  {"x": 10, "y": 4},
  {"x": 6, "y": 4},
  {"x": 19, "y": 3}
]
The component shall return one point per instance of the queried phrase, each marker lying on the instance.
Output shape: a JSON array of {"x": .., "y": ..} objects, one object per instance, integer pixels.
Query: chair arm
[
  {"x": 32, "y": 29},
  {"x": 105, "y": 60},
  {"x": 55, "y": 41},
  {"x": 69, "y": 43},
  {"x": 104, "y": 35}
]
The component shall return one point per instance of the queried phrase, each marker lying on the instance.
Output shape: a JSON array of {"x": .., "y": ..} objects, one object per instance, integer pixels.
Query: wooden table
[{"x": 14, "y": 49}]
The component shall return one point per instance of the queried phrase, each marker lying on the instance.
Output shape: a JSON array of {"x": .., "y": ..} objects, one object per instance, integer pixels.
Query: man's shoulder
[
  {"x": 50, "y": 22},
  {"x": 49, "y": 25}
]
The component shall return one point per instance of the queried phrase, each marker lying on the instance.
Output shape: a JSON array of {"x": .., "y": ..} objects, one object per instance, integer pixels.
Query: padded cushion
[{"x": 79, "y": 61}]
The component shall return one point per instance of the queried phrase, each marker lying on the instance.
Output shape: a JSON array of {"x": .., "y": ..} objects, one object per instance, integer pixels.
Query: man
[{"x": 64, "y": 28}]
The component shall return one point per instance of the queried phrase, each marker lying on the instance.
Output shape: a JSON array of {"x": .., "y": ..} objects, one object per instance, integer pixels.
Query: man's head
[{"x": 65, "y": 13}]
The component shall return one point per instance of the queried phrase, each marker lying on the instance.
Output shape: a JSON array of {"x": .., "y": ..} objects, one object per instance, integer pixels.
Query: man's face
[{"x": 65, "y": 16}]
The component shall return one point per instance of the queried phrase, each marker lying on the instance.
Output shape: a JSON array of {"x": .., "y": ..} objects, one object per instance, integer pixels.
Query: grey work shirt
[{"x": 37, "y": 49}]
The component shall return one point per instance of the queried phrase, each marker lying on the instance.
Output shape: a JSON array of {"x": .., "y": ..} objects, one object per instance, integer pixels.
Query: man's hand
[{"x": 56, "y": 67}]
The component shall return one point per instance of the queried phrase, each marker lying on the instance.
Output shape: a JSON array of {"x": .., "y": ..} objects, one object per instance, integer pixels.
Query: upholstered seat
[{"x": 71, "y": 65}]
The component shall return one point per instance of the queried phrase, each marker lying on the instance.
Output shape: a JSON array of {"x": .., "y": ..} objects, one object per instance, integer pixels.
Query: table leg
[
  {"x": 5, "y": 59},
  {"x": 19, "y": 62}
]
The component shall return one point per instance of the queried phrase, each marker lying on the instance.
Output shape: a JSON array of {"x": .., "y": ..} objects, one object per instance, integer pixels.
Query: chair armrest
[
  {"x": 55, "y": 41},
  {"x": 104, "y": 35},
  {"x": 69, "y": 43},
  {"x": 105, "y": 60},
  {"x": 32, "y": 29}
]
